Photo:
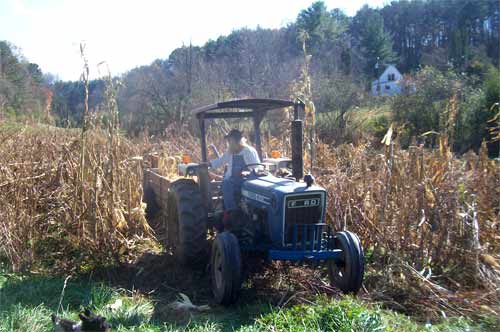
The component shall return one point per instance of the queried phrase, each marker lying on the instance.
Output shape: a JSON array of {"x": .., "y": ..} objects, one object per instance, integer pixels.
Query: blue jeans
[{"x": 230, "y": 187}]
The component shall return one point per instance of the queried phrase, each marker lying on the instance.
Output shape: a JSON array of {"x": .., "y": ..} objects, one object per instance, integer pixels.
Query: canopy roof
[{"x": 254, "y": 105}]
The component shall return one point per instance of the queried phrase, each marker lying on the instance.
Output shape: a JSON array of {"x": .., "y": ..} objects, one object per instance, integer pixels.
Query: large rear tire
[
  {"x": 226, "y": 268},
  {"x": 187, "y": 223},
  {"x": 347, "y": 272}
]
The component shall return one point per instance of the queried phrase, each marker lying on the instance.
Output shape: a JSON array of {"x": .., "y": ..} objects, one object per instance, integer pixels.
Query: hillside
[{"x": 459, "y": 38}]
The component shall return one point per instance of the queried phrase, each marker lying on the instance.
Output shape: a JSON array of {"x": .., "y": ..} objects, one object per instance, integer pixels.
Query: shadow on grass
[
  {"x": 162, "y": 279},
  {"x": 27, "y": 301},
  {"x": 146, "y": 289},
  {"x": 33, "y": 290}
]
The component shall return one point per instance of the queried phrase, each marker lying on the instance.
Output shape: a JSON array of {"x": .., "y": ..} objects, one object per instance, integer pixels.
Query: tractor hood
[{"x": 270, "y": 186}]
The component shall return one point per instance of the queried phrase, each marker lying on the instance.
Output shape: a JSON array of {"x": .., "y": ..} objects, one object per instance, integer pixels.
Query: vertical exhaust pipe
[{"x": 296, "y": 142}]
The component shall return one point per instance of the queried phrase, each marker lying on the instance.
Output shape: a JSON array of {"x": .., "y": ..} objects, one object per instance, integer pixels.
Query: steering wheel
[{"x": 253, "y": 164}]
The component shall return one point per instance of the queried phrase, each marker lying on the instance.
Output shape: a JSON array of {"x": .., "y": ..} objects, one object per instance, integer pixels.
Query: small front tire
[{"x": 347, "y": 272}]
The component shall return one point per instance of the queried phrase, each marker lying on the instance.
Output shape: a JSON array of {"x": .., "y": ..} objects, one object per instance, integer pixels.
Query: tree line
[
  {"x": 23, "y": 91},
  {"x": 459, "y": 39}
]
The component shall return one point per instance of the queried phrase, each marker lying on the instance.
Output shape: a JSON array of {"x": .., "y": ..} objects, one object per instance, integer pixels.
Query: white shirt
[{"x": 249, "y": 154}]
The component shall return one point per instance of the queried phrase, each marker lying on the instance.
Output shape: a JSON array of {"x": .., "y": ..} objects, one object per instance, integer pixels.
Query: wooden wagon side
[{"x": 160, "y": 212}]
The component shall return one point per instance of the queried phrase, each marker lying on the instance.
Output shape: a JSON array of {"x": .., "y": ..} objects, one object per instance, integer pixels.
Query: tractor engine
[{"x": 285, "y": 204}]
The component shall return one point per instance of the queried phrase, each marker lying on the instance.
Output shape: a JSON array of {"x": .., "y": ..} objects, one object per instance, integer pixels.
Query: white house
[{"x": 389, "y": 83}]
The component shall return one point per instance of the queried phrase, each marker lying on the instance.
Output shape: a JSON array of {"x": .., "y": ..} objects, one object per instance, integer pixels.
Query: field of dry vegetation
[
  {"x": 429, "y": 221},
  {"x": 65, "y": 212}
]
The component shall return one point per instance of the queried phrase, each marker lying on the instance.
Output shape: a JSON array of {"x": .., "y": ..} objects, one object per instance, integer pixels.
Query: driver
[{"x": 238, "y": 155}]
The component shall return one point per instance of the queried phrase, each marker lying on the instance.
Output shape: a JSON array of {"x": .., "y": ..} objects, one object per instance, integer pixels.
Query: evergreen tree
[
  {"x": 375, "y": 42},
  {"x": 323, "y": 28}
]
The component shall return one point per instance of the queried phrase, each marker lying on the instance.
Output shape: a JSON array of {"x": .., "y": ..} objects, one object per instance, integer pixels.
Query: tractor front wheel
[
  {"x": 226, "y": 268},
  {"x": 347, "y": 272}
]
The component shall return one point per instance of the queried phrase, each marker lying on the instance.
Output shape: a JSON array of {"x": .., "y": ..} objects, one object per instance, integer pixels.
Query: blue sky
[{"x": 127, "y": 34}]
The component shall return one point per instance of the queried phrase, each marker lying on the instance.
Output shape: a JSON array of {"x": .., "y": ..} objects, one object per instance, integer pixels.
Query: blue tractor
[{"x": 281, "y": 214}]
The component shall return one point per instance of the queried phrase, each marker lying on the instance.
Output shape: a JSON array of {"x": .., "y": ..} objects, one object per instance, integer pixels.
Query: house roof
[{"x": 387, "y": 68}]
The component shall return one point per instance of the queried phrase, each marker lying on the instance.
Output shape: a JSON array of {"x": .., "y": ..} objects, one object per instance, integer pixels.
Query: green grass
[
  {"x": 26, "y": 304},
  {"x": 10, "y": 126},
  {"x": 374, "y": 120}
]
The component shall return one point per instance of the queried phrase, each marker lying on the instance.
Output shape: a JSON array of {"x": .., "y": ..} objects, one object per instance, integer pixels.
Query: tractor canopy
[
  {"x": 254, "y": 108},
  {"x": 245, "y": 108}
]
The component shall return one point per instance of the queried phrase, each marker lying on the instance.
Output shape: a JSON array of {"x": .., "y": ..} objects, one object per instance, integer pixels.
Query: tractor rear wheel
[
  {"x": 187, "y": 223},
  {"x": 347, "y": 272},
  {"x": 226, "y": 268}
]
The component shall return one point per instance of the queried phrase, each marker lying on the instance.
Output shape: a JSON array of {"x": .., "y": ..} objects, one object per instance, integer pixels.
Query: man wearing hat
[{"x": 238, "y": 155}]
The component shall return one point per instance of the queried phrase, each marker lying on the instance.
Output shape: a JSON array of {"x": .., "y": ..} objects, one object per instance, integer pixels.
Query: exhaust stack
[{"x": 296, "y": 143}]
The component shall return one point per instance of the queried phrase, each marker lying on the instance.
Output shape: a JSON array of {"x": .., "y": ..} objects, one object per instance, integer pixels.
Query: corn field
[
  {"x": 59, "y": 213},
  {"x": 429, "y": 221}
]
